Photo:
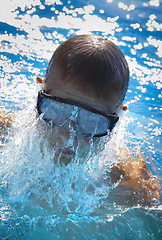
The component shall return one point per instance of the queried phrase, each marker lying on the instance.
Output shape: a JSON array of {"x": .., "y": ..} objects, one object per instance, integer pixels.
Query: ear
[
  {"x": 39, "y": 80},
  {"x": 124, "y": 107}
]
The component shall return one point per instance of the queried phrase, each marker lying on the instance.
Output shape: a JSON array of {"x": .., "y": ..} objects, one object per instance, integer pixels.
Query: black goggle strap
[
  {"x": 39, "y": 100},
  {"x": 113, "y": 120}
]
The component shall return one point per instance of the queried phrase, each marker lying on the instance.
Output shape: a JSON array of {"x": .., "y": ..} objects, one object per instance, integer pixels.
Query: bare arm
[
  {"x": 6, "y": 120},
  {"x": 137, "y": 184}
]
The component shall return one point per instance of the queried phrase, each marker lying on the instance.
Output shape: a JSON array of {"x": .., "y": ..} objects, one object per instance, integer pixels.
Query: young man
[
  {"x": 82, "y": 93},
  {"x": 90, "y": 73}
]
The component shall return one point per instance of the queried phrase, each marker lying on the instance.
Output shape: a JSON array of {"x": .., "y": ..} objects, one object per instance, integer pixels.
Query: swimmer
[{"x": 82, "y": 94}]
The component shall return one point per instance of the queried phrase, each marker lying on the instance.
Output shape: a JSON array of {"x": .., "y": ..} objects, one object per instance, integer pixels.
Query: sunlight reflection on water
[{"x": 30, "y": 31}]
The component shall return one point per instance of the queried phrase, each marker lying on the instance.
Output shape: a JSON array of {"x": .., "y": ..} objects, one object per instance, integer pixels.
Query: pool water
[{"x": 40, "y": 199}]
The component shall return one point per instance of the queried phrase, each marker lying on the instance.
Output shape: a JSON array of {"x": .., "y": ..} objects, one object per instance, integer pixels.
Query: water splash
[{"x": 26, "y": 47}]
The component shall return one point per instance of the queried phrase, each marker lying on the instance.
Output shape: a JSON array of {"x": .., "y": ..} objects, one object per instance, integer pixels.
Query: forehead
[
  {"x": 70, "y": 91},
  {"x": 56, "y": 86}
]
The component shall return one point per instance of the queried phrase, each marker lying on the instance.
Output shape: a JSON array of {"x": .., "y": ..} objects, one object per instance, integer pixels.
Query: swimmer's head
[
  {"x": 89, "y": 72},
  {"x": 88, "y": 68}
]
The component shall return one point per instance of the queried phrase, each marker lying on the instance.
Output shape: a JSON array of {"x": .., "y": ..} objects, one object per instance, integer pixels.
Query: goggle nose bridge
[{"x": 73, "y": 116}]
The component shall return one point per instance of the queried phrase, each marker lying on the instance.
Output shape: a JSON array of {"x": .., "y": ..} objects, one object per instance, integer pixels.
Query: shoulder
[
  {"x": 6, "y": 120},
  {"x": 136, "y": 178}
]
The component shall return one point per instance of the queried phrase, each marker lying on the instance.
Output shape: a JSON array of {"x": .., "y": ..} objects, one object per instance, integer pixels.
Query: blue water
[{"x": 37, "y": 199}]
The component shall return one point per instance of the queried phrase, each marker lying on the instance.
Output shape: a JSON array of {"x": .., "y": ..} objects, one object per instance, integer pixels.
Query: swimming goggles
[{"x": 88, "y": 121}]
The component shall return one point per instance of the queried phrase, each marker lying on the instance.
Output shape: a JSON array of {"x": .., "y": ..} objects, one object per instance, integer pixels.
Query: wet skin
[{"x": 64, "y": 140}]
